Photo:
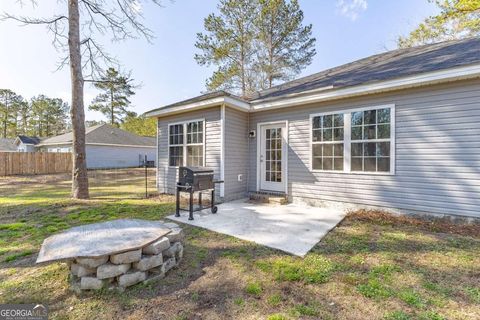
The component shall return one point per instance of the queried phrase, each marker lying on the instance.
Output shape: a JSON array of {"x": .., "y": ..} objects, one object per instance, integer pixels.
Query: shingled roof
[
  {"x": 29, "y": 140},
  {"x": 104, "y": 134},
  {"x": 376, "y": 68},
  {"x": 384, "y": 66}
]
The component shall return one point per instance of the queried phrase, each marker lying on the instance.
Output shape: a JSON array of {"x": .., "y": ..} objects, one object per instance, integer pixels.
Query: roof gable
[
  {"x": 104, "y": 134},
  {"x": 107, "y": 134},
  {"x": 28, "y": 140}
]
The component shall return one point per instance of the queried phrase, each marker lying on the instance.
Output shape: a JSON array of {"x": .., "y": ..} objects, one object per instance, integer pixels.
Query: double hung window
[{"x": 186, "y": 143}]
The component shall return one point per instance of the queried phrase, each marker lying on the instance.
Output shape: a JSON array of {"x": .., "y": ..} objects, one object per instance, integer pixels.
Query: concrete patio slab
[{"x": 293, "y": 228}]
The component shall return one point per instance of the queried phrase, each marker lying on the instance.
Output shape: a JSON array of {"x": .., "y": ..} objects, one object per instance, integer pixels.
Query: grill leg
[
  {"x": 200, "y": 200},
  {"x": 177, "y": 200},
  {"x": 191, "y": 205},
  {"x": 214, "y": 207}
]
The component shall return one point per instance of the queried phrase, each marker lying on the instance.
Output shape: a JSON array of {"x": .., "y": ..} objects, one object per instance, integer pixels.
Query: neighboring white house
[
  {"x": 106, "y": 147},
  {"x": 26, "y": 144}
]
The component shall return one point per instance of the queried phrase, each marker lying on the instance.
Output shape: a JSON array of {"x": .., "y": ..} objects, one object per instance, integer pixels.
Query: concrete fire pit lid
[{"x": 100, "y": 239}]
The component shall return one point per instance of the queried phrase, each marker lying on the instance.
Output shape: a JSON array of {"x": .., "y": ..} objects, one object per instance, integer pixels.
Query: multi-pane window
[
  {"x": 195, "y": 143},
  {"x": 273, "y": 153},
  {"x": 175, "y": 148},
  {"x": 327, "y": 140},
  {"x": 186, "y": 144},
  {"x": 371, "y": 140},
  {"x": 357, "y": 141}
]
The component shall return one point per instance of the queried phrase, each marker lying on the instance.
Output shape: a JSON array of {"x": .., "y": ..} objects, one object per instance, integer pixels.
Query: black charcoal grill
[{"x": 192, "y": 180}]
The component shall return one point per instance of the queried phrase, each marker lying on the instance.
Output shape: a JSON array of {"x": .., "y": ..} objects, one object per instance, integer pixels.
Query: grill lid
[{"x": 198, "y": 169}]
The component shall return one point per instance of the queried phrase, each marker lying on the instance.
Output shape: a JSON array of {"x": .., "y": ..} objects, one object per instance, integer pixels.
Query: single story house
[
  {"x": 398, "y": 130},
  {"x": 106, "y": 147},
  {"x": 7, "y": 145},
  {"x": 26, "y": 143}
]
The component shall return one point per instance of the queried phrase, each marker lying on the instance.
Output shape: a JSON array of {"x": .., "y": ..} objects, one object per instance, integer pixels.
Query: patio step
[{"x": 267, "y": 197}]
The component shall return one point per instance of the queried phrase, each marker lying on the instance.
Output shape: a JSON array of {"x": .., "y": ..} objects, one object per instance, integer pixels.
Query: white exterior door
[{"x": 273, "y": 153}]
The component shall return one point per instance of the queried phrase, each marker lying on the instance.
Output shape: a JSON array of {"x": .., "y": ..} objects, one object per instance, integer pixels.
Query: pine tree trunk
[
  {"x": 79, "y": 171},
  {"x": 111, "y": 108},
  {"x": 5, "y": 118}
]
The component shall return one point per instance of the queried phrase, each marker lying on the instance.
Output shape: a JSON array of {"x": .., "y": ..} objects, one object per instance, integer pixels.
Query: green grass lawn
[{"x": 372, "y": 266}]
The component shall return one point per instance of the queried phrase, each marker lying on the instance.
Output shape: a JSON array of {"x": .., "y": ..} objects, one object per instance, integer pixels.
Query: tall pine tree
[
  {"x": 9, "y": 105},
  {"x": 285, "y": 46},
  {"x": 254, "y": 44},
  {"x": 48, "y": 116},
  {"x": 457, "y": 19},
  {"x": 113, "y": 102},
  {"x": 228, "y": 45}
]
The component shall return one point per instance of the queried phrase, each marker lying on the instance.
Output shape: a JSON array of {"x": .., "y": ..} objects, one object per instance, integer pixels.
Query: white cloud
[{"x": 351, "y": 8}]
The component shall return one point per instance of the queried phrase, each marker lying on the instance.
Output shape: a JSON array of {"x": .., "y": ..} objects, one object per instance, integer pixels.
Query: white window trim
[
  {"x": 327, "y": 142},
  {"x": 287, "y": 146},
  {"x": 347, "y": 155},
  {"x": 184, "y": 145}
]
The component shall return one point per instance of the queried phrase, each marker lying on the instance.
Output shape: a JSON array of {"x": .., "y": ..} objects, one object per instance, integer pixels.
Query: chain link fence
[{"x": 122, "y": 183}]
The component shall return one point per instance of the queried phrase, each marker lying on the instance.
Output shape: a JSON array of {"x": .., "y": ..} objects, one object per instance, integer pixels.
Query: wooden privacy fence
[{"x": 13, "y": 163}]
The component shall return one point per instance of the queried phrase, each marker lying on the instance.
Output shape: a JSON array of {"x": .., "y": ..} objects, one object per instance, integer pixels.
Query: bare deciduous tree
[{"x": 74, "y": 34}]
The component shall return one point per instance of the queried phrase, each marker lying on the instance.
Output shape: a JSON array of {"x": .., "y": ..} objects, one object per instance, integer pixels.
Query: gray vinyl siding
[
  {"x": 236, "y": 153},
  {"x": 167, "y": 176},
  {"x": 437, "y": 153}
]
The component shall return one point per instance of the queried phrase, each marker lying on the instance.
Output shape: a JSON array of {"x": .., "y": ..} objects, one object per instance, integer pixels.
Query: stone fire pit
[{"x": 116, "y": 254}]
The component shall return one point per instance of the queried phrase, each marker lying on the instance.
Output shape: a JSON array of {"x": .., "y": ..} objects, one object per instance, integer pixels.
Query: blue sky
[{"x": 345, "y": 30}]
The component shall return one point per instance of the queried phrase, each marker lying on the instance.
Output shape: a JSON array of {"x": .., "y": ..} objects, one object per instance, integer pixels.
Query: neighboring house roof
[
  {"x": 376, "y": 69},
  {"x": 28, "y": 140},
  {"x": 7, "y": 145},
  {"x": 103, "y": 134}
]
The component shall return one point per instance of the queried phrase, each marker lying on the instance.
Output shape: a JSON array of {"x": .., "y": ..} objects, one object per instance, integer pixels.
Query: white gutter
[{"x": 229, "y": 101}]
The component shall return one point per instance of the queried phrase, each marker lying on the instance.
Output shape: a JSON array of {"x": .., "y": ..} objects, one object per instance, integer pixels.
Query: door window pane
[{"x": 273, "y": 154}]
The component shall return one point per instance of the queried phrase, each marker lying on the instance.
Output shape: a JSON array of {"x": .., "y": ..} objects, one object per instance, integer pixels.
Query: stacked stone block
[{"x": 122, "y": 270}]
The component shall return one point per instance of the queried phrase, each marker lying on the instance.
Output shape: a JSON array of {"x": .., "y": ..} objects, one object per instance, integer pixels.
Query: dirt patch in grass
[
  {"x": 372, "y": 266},
  {"x": 440, "y": 225}
]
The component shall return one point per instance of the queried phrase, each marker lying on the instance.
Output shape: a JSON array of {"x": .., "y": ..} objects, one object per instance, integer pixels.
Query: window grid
[
  {"x": 195, "y": 143},
  {"x": 176, "y": 145},
  {"x": 186, "y": 144},
  {"x": 328, "y": 142},
  {"x": 273, "y": 153},
  {"x": 368, "y": 142},
  {"x": 370, "y": 137}
]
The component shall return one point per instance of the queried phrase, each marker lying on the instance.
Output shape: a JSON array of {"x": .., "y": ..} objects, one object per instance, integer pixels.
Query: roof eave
[
  {"x": 207, "y": 103},
  {"x": 328, "y": 93}
]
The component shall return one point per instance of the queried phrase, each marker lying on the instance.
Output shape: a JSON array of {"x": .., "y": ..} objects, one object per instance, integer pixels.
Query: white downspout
[{"x": 222, "y": 150}]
